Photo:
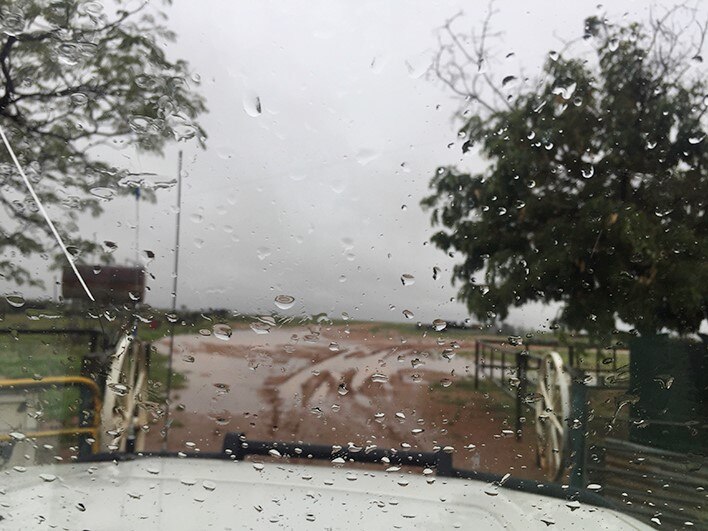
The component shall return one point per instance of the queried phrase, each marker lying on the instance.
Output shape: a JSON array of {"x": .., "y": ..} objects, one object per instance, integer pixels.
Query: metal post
[
  {"x": 578, "y": 410},
  {"x": 174, "y": 302},
  {"x": 148, "y": 353},
  {"x": 503, "y": 365},
  {"x": 444, "y": 464},
  {"x": 521, "y": 361},
  {"x": 90, "y": 368},
  {"x": 571, "y": 355},
  {"x": 476, "y": 364},
  {"x": 491, "y": 364}
]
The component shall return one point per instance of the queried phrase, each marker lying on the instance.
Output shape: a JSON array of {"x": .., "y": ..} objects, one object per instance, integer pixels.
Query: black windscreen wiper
[{"x": 237, "y": 447}]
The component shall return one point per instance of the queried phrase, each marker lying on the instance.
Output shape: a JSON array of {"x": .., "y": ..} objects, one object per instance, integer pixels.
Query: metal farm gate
[{"x": 578, "y": 399}]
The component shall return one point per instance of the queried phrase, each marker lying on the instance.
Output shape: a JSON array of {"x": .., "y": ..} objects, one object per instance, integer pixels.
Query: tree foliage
[
  {"x": 596, "y": 188},
  {"x": 76, "y": 77}
]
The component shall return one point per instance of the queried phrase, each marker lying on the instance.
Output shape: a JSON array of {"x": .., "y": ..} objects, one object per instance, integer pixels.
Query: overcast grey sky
[{"x": 318, "y": 196}]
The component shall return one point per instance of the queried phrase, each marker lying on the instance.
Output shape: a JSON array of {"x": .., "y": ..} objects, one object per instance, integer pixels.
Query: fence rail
[
  {"x": 88, "y": 424},
  {"x": 515, "y": 367},
  {"x": 595, "y": 360},
  {"x": 647, "y": 482},
  {"x": 507, "y": 367},
  {"x": 651, "y": 482}
]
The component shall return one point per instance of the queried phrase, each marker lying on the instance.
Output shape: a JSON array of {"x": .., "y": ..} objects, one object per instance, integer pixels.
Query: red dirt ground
[{"x": 288, "y": 385}]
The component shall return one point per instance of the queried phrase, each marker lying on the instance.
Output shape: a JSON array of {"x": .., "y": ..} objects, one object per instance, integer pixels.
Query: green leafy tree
[
  {"x": 596, "y": 188},
  {"x": 75, "y": 78}
]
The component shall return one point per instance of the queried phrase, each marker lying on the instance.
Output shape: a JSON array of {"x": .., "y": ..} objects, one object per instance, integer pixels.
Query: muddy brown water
[{"x": 369, "y": 389}]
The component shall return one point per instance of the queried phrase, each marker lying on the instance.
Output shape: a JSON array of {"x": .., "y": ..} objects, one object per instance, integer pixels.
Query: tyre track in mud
[{"x": 306, "y": 392}]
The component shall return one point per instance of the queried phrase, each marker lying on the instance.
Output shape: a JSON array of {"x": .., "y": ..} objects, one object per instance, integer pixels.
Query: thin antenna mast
[{"x": 173, "y": 319}]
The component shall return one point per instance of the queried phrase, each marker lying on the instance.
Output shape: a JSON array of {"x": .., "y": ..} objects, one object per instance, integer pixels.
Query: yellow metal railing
[{"x": 60, "y": 381}]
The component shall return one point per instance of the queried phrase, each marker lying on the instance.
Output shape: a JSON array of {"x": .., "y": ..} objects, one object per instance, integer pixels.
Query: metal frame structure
[
  {"x": 102, "y": 368},
  {"x": 53, "y": 382}
]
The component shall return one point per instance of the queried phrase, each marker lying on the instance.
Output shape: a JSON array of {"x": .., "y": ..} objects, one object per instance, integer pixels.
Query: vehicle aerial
[{"x": 337, "y": 266}]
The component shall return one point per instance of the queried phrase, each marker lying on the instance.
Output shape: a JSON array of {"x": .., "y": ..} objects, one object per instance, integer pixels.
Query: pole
[
  {"x": 491, "y": 364},
  {"x": 137, "y": 227},
  {"x": 476, "y": 364},
  {"x": 571, "y": 356},
  {"x": 138, "y": 269},
  {"x": 521, "y": 375},
  {"x": 174, "y": 302},
  {"x": 578, "y": 410},
  {"x": 503, "y": 366}
]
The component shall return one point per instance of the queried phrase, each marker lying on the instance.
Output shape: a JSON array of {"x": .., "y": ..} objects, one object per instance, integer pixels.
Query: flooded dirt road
[{"x": 341, "y": 385}]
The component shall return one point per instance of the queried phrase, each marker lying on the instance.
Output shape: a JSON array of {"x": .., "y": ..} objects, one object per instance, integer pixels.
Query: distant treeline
[{"x": 35, "y": 307}]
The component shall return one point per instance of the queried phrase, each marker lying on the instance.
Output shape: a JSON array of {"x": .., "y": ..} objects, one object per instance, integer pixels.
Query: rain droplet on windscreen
[
  {"x": 407, "y": 279},
  {"x": 78, "y": 99},
  {"x": 260, "y": 328},
  {"x": 439, "y": 325},
  {"x": 263, "y": 252},
  {"x": 573, "y": 505},
  {"x": 15, "y": 300},
  {"x": 665, "y": 381},
  {"x": 222, "y": 331},
  {"x": 252, "y": 105},
  {"x": 491, "y": 490},
  {"x": 509, "y": 81},
  {"x": 565, "y": 92},
  {"x": 284, "y": 302},
  {"x": 109, "y": 247},
  {"x": 118, "y": 389}
]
